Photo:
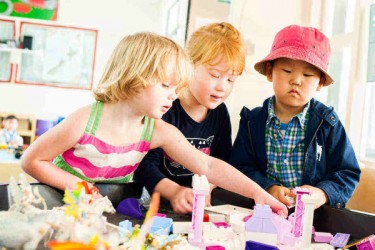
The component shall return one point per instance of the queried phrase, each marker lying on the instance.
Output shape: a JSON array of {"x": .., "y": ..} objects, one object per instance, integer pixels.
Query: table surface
[
  {"x": 326, "y": 219},
  {"x": 7, "y": 156}
]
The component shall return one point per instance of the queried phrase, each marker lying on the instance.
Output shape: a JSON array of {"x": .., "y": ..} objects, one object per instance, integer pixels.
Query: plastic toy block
[
  {"x": 254, "y": 225},
  {"x": 201, "y": 188},
  {"x": 340, "y": 240},
  {"x": 131, "y": 207},
  {"x": 323, "y": 237},
  {"x": 321, "y": 246},
  {"x": 298, "y": 214},
  {"x": 230, "y": 212},
  {"x": 262, "y": 211},
  {"x": 253, "y": 245},
  {"x": 367, "y": 243},
  {"x": 216, "y": 247},
  {"x": 221, "y": 224},
  {"x": 266, "y": 238},
  {"x": 308, "y": 216},
  {"x": 261, "y": 220},
  {"x": 284, "y": 230},
  {"x": 206, "y": 218},
  {"x": 161, "y": 226},
  {"x": 216, "y": 217},
  {"x": 126, "y": 224},
  {"x": 212, "y": 233},
  {"x": 181, "y": 227},
  {"x": 200, "y": 184},
  {"x": 246, "y": 218}
]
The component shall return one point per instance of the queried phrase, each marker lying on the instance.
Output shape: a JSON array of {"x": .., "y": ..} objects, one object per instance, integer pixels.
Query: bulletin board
[
  {"x": 7, "y": 33},
  {"x": 64, "y": 56},
  {"x": 39, "y": 9}
]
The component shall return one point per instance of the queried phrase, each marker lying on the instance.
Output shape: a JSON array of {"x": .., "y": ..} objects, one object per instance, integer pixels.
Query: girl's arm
[
  {"x": 37, "y": 159},
  {"x": 218, "y": 172}
]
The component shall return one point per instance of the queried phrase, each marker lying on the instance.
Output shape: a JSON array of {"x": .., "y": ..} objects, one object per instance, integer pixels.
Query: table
[{"x": 326, "y": 219}]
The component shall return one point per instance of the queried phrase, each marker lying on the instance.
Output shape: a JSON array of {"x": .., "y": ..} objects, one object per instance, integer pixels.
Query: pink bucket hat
[{"x": 300, "y": 43}]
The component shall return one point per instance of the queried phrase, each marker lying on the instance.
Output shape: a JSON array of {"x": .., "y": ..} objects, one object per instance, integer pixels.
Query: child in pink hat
[{"x": 295, "y": 140}]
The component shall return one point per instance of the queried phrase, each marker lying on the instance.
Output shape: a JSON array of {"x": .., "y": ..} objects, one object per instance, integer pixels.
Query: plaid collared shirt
[{"x": 285, "y": 153}]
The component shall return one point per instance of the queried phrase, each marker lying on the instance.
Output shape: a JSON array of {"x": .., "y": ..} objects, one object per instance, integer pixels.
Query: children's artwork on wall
[
  {"x": 64, "y": 56},
  {"x": 38, "y": 9},
  {"x": 7, "y": 35}
]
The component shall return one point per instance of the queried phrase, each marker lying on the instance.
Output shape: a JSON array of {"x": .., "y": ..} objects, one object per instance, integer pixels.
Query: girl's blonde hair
[
  {"x": 218, "y": 40},
  {"x": 138, "y": 61}
]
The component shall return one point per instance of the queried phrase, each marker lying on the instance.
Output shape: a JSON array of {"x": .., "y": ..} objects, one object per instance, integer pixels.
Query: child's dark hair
[{"x": 10, "y": 117}]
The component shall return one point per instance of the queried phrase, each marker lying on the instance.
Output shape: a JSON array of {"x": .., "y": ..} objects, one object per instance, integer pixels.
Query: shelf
[
  {"x": 24, "y": 132},
  {"x": 15, "y": 53}
]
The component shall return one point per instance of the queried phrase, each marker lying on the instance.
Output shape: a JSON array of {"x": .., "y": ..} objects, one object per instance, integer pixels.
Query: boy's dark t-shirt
[{"x": 211, "y": 136}]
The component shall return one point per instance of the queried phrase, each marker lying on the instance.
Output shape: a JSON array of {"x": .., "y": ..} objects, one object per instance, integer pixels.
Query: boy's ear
[
  {"x": 322, "y": 82},
  {"x": 269, "y": 71}
]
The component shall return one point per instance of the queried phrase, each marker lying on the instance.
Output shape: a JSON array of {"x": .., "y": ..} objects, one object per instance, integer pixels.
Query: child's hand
[
  {"x": 317, "y": 193},
  {"x": 275, "y": 205},
  {"x": 280, "y": 192},
  {"x": 182, "y": 201}
]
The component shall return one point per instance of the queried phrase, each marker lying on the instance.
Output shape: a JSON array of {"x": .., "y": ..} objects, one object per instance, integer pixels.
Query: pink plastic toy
[
  {"x": 323, "y": 237},
  {"x": 216, "y": 247},
  {"x": 298, "y": 214},
  {"x": 367, "y": 243},
  {"x": 261, "y": 220},
  {"x": 221, "y": 224},
  {"x": 201, "y": 188}
]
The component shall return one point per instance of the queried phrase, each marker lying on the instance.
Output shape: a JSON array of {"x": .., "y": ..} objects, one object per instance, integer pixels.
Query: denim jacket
[{"x": 330, "y": 162}]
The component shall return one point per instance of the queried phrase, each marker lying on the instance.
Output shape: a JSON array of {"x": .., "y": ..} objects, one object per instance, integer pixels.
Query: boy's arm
[
  {"x": 244, "y": 159},
  {"x": 343, "y": 172}
]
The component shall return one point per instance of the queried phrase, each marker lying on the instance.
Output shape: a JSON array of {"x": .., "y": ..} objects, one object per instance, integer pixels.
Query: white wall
[
  {"x": 113, "y": 19},
  {"x": 259, "y": 21}
]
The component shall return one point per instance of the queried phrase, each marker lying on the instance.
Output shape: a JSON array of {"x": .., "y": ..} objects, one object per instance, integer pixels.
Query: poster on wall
[
  {"x": 38, "y": 9},
  {"x": 61, "y": 56}
]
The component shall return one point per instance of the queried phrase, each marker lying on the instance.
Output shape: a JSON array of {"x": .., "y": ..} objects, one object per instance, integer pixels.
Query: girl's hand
[{"x": 276, "y": 206}]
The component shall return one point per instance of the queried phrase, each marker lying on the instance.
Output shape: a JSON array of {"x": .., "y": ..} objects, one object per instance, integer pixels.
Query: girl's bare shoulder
[
  {"x": 164, "y": 133},
  {"x": 79, "y": 118}
]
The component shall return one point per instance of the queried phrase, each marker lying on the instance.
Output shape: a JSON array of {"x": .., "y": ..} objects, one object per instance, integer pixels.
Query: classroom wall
[
  {"x": 113, "y": 19},
  {"x": 259, "y": 21}
]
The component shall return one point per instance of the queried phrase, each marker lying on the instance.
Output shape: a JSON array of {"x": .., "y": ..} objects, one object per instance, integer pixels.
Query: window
[
  {"x": 339, "y": 27},
  {"x": 370, "y": 125},
  {"x": 352, "y": 65}
]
